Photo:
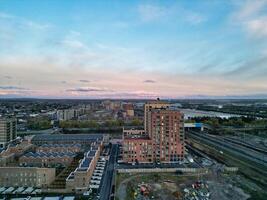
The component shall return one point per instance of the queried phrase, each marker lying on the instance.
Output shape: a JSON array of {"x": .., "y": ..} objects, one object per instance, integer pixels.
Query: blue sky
[{"x": 133, "y": 49}]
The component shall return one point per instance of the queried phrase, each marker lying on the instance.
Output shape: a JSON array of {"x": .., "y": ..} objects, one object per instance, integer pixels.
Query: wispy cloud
[
  {"x": 194, "y": 18},
  {"x": 129, "y": 94},
  {"x": 88, "y": 89},
  {"x": 7, "y": 77},
  {"x": 154, "y": 12},
  {"x": 75, "y": 44},
  {"x": 258, "y": 27},
  {"x": 162, "y": 44},
  {"x": 84, "y": 81},
  {"x": 253, "y": 17},
  {"x": 149, "y": 12},
  {"x": 137, "y": 94},
  {"x": 149, "y": 81},
  {"x": 5, "y": 16},
  {"x": 21, "y": 22},
  {"x": 12, "y": 88},
  {"x": 249, "y": 9},
  {"x": 35, "y": 25},
  {"x": 252, "y": 68},
  {"x": 13, "y": 28}
]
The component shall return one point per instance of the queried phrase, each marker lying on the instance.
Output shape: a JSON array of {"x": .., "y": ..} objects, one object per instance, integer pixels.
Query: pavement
[
  {"x": 106, "y": 188},
  {"x": 158, "y": 165}
]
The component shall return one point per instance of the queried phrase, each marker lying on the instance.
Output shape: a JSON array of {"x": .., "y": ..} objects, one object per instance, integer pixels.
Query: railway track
[
  {"x": 246, "y": 145},
  {"x": 246, "y": 164},
  {"x": 239, "y": 150}
]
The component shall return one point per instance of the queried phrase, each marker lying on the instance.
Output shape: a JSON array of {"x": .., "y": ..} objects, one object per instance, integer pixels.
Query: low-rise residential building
[
  {"x": 50, "y": 148},
  {"x": 33, "y": 162},
  {"x": 86, "y": 140},
  {"x": 5, "y": 159},
  {"x": 14, "y": 150},
  {"x": 129, "y": 109},
  {"x": 26, "y": 176},
  {"x": 44, "y": 159},
  {"x": 78, "y": 180}
]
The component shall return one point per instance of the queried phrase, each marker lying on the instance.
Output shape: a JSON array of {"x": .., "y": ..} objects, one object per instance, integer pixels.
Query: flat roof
[
  {"x": 51, "y": 198},
  {"x": 69, "y": 198},
  {"x": 94, "y": 148},
  {"x": 91, "y": 153}
]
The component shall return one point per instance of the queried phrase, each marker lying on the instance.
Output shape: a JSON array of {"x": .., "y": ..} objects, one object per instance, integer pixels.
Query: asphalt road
[
  {"x": 149, "y": 166},
  {"x": 105, "y": 191}
]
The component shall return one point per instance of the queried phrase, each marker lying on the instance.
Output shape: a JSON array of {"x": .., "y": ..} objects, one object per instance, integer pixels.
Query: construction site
[
  {"x": 200, "y": 176},
  {"x": 242, "y": 151},
  {"x": 173, "y": 186}
]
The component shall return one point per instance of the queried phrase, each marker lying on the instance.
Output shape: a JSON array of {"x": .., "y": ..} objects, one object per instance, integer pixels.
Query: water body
[{"x": 189, "y": 113}]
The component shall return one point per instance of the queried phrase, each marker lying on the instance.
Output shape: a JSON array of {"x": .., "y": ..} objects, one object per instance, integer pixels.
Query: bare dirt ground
[
  {"x": 224, "y": 191},
  {"x": 171, "y": 186}
]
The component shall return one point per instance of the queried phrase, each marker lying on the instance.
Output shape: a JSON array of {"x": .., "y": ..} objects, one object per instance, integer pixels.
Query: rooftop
[
  {"x": 54, "y": 154},
  {"x": 61, "y": 145},
  {"x": 67, "y": 137},
  {"x": 85, "y": 162},
  {"x": 94, "y": 148},
  {"x": 91, "y": 153},
  {"x": 137, "y": 137},
  {"x": 169, "y": 109}
]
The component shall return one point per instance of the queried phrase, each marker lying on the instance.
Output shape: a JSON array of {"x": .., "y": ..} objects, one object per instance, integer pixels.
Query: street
[{"x": 105, "y": 191}]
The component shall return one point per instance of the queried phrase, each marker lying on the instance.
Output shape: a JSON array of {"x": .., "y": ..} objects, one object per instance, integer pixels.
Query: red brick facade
[
  {"x": 167, "y": 132},
  {"x": 162, "y": 142},
  {"x": 138, "y": 150}
]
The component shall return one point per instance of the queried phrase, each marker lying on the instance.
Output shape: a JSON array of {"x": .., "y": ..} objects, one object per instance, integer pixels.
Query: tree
[
  {"x": 39, "y": 124},
  {"x": 136, "y": 122}
]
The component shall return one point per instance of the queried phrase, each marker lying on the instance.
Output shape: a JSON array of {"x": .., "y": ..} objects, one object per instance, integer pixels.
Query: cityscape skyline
[{"x": 133, "y": 49}]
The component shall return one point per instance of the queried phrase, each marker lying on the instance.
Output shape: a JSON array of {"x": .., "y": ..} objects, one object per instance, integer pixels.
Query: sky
[{"x": 133, "y": 49}]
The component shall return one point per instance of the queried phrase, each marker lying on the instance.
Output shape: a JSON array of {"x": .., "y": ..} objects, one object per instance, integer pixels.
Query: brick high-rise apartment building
[
  {"x": 148, "y": 107},
  {"x": 161, "y": 141},
  {"x": 8, "y": 131},
  {"x": 166, "y": 130}
]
